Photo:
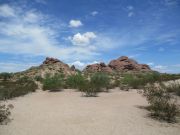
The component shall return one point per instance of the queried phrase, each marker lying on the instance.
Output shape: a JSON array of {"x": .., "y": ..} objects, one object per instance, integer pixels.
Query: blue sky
[{"x": 82, "y": 32}]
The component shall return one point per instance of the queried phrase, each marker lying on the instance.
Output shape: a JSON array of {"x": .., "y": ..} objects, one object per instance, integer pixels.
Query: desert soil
[{"x": 68, "y": 113}]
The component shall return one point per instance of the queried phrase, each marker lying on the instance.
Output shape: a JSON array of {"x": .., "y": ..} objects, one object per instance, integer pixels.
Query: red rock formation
[
  {"x": 49, "y": 60},
  {"x": 125, "y": 64},
  {"x": 119, "y": 65},
  {"x": 99, "y": 67}
]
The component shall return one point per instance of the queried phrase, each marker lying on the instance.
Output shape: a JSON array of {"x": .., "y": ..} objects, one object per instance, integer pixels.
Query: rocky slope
[{"x": 122, "y": 64}]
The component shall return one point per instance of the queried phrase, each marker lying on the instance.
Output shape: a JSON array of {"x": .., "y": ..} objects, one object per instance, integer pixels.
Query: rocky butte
[{"x": 122, "y": 64}]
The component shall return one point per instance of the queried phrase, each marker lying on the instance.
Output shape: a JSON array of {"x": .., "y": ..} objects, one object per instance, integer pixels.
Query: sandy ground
[{"x": 67, "y": 113}]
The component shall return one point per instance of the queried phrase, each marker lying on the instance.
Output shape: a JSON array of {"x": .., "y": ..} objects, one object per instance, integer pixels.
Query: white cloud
[
  {"x": 150, "y": 63},
  {"x": 81, "y": 65},
  {"x": 32, "y": 17},
  {"x": 130, "y": 7},
  {"x": 130, "y": 14},
  {"x": 6, "y": 11},
  {"x": 28, "y": 33},
  {"x": 82, "y": 39},
  {"x": 130, "y": 10},
  {"x": 78, "y": 64},
  {"x": 160, "y": 67},
  {"x": 14, "y": 67},
  {"x": 75, "y": 23},
  {"x": 94, "y": 13}
]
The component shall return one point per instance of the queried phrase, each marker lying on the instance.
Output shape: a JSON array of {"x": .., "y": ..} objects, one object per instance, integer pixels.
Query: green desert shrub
[
  {"x": 75, "y": 81},
  {"x": 11, "y": 89},
  {"x": 4, "y": 113},
  {"x": 139, "y": 80},
  {"x": 87, "y": 89},
  {"x": 162, "y": 105},
  {"x": 5, "y": 76},
  {"x": 38, "y": 78},
  {"x": 130, "y": 80},
  {"x": 53, "y": 83},
  {"x": 100, "y": 81},
  {"x": 97, "y": 82},
  {"x": 174, "y": 87}
]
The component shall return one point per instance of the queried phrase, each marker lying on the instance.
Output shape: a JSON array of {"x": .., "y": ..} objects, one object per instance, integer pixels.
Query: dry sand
[{"x": 67, "y": 113}]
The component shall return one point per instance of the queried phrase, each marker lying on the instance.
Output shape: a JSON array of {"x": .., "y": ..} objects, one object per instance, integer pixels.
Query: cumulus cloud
[
  {"x": 78, "y": 64},
  {"x": 150, "y": 63},
  {"x": 81, "y": 65},
  {"x": 82, "y": 39},
  {"x": 28, "y": 32},
  {"x": 94, "y": 13},
  {"x": 75, "y": 23}
]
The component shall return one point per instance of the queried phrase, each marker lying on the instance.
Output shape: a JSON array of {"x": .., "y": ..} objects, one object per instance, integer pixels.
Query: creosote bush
[
  {"x": 88, "y": 90},
  {"x": 10, "y": 89},
  {"x": 75, "y": 81},
  {"x": 100, "y": 81},
  {"x": 97, "y": 82},
  {"x": 53, "y": 83},
  {"x": 4, "y": 113},
  {"x": 140, "y": 80},
  {"x": 5, "y": 76},
  {"x": 174, "y": 87},
  {"x": 162, "y": 105}
]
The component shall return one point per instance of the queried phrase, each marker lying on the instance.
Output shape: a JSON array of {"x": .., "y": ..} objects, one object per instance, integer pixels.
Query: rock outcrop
[
  {"x": 99, "y": 67},
  {"x": 125, "y": 64},
  {"x": 122, "y": 64},
  {"x": 50, "y": 66}
]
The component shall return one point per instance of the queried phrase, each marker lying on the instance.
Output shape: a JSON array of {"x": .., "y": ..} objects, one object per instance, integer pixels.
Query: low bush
[
  {"x": 5, "y": 76},
  {"x": 131, "y": 80},
  {"x": 53, "y": 83},
  {"x": 97, "y": 82},
  {"x": 11, "y": 89},
  {"x": 174, "y": 87},
  {"x": 4, "y": 113},
  {"x": 100, "y": 81},
  {"x": 87, "y": 89},
  {"x": 75, "y": 81},
  {"x": 162, "y": 105},
  {"x": 139, "y": 80}
]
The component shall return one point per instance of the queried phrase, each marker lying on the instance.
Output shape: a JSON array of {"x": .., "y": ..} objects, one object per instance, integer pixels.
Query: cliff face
[{"x": 122, "y": 64}]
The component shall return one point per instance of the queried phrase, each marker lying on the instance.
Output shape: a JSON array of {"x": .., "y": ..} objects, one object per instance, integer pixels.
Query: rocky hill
[
  {"x": 122, "y": 64},
  {"x": 49, "y": 66},
  {"x": 52, "y": 66}
]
